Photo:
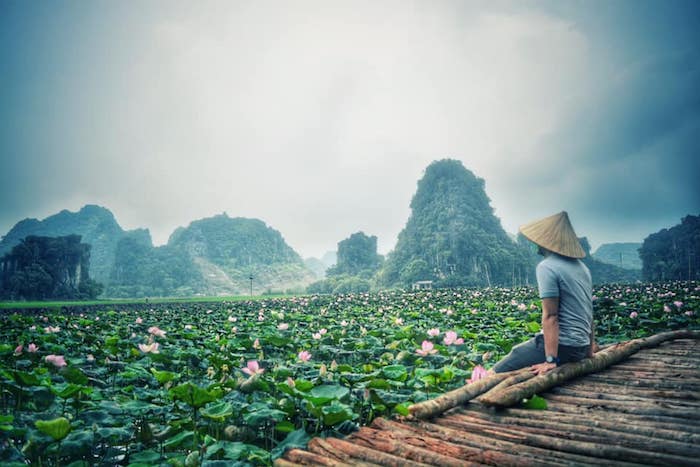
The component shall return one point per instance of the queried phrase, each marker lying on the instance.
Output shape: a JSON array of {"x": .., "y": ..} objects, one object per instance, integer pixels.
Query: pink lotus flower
[
  {"x": 522, "y": 307},
  {"x": 256, "y": 344},
  {"x": 139, "y": 320},
  {"x": 304, "y": 356},
  {"x": 433, "y": 332},
  {"x": 690, "y": 313},
  {"x": 156, "y": 331},
  {"x": 323, "y": 331},
  {"x": 678, "y": 304},
  {"x": 633, "y": 314},
  {"x": 451, "y": 338},
  {"x": 232, "y": 319},
  {"x": 316, "y": 335},
  {"x": 18, "y": 349},
  {"x": 149, "y": 348},
  {"x": 56, "y": 360},
  {"x": 290, "y": 382},
  {"x": 32, "y": 348},
  {"x": 283, "y": 326},
  {"x": 52, "y": 329},
  {"x": 426, "y": 349},
  {"x": 343, "y": 323},
  {"x": 398, "y": 321},
  {"x": 252, "y": 368},
  {"x": 667, "y": 308},
  {"x": 90, "y": 358},
  {"x": 478, "y": 372}
]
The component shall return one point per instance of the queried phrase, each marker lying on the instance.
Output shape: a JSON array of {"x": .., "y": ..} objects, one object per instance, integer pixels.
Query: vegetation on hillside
[
  {"x": 47, "y": 268},
  {"x": 358, "y": 261},
  {"x": 673, "y": 254},
  {"x": 624, "y": 255},
  {"x": 453, "y": 237},
  {"x": 96, "y": 226},
  {"x": 604, "y": 273}
]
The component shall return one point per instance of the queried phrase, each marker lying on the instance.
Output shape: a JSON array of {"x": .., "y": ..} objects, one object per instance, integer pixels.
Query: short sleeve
[{"x": 547, "y": 282}]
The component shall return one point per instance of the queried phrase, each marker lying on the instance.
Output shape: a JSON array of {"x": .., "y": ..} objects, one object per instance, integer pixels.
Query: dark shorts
[{"x": 531, "y": 352}]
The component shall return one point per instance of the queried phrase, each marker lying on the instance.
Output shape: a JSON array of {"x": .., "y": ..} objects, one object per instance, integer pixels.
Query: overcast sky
[{"x": 319, "y": 117}]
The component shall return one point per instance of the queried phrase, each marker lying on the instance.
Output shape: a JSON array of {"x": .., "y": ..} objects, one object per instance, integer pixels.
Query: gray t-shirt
[{"x": 570, "y": 280}]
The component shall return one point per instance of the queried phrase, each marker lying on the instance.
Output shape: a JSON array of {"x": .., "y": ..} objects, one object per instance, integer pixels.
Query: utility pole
[{"x": 251, "y": 285}]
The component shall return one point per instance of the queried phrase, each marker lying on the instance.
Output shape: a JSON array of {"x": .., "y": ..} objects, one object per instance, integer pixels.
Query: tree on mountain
[
  {"x": 673, "y": 254},
  {"x": 357, "y": 256},
  {"x": 453, "y": 237},
  {"x": 603, "y": 272},
  {"x": 47, "y": 268}
]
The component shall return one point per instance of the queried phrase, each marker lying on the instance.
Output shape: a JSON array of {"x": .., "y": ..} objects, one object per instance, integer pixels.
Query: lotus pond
[{"x": 235, "y": 383}]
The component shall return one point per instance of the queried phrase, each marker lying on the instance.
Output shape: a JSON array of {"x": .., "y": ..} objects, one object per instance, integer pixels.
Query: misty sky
[{"x": 319, "y": 117}]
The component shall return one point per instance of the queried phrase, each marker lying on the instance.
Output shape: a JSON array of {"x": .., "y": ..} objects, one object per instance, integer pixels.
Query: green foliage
[
  {"x": 46, "y": 268},
  {"x": 624, "y": 255},
  {"x": 452, "y": 236},
  {"x": 357, "y": 256},
  {"x": 673, "y": 254},
  {"x": 604, "y": 273},
  {"x": 234, "y": 242},
  {"x": 140, "y": 270},
  {"x": 213, "y": 257},
  {"x": 57, "y": 428},
  {"x": 193, "y": 399},
  {"x": 340, "y": 285},
  {"x": 535, "y": 403}
]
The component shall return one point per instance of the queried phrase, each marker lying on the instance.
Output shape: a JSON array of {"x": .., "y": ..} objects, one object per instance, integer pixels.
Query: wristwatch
[{"x": 552, "y": 359}]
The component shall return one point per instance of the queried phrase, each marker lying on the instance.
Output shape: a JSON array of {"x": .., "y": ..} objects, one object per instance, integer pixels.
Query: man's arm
[
  {"x": 550, "y": 329},
  {"x": 594, "y": 345}
]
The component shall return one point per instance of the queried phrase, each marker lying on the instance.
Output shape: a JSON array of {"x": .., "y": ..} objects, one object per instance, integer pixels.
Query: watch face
[{"x": 550, "y": 359}]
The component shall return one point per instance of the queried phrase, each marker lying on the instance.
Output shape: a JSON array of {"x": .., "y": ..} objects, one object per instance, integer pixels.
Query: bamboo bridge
[{"x": 635, "y": 403}]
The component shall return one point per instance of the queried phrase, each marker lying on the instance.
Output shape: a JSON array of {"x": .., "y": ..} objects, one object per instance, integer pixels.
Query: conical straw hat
[{"x": 556, "y": 234}]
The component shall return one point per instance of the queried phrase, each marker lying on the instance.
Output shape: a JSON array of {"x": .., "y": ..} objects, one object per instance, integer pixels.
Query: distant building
[{"x": 422, "y": 285}]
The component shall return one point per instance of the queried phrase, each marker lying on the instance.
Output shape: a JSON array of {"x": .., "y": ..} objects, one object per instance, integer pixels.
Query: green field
[{"x": 233, "y": 380}]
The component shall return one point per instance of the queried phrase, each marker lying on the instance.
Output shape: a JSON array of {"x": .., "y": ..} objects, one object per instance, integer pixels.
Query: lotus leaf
[{"x": 58, "y": 428}]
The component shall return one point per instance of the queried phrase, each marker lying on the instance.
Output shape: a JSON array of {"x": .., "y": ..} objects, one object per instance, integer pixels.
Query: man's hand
[
  {"x": 593, "y": 349},
  {"x": 542, "y": 368}
]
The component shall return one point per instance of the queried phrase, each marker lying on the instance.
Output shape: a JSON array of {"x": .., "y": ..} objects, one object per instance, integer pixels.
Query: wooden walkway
[{"x": 642, "y": 411}]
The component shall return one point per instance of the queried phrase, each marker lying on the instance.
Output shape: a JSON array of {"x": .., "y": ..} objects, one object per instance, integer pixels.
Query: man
[{"x": 565, "y": 288}]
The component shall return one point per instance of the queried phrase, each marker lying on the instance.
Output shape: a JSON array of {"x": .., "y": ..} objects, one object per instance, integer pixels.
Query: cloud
[
  {"x": 626, "y": 160},
  {"x": 319, "y": 118}
]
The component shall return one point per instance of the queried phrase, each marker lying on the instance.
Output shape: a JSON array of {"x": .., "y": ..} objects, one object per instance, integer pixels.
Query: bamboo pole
[
  {"x": 610, "y": 421},
  {"x": 285, "y": 463},
  {"x": 677, "y": 423},
  {"x": 386, "y": 441},
  {"x": 638, "y": 407},
  {"x": 603, "y": 359},
  {"x": 601, "y": 450},
  {"x": 437, "y": 442},
  {"x": 591, "y": 433},
  {"x": 527, "y": 454},
  {"x": 301, "y": 457},
  {"x": 321, "y": 447},
  {"x": 611, "y": 390},
  {"x": 357, "y": 451},
  {"x": 459, "y": 396}
]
